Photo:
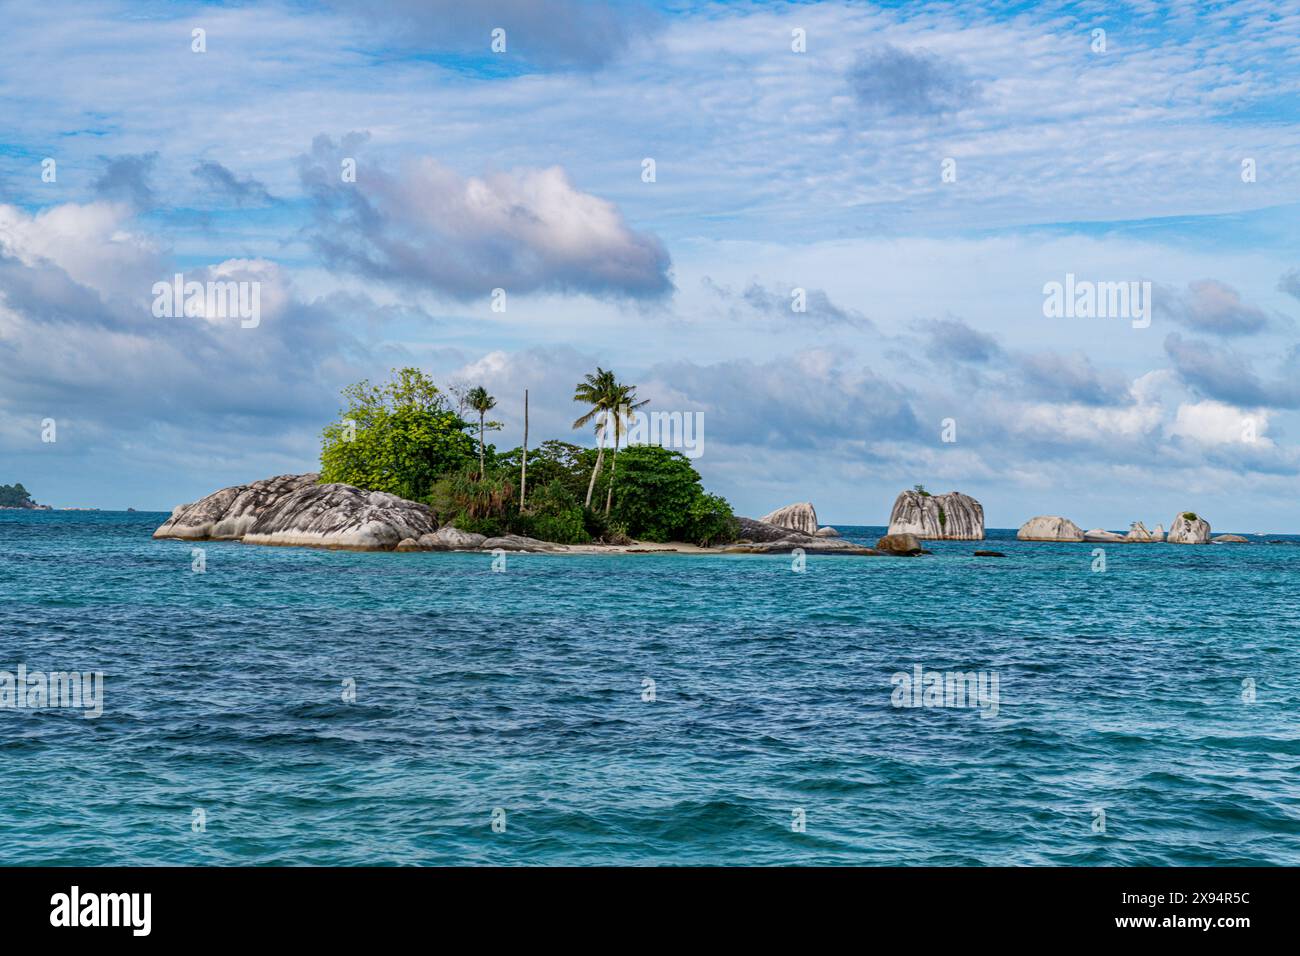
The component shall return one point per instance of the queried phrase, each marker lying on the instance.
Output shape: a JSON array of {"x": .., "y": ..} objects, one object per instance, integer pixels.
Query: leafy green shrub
[
  {"x": 1189, "y": 515},
  {"x": 398, "y": 437},
  {"x": 554, "y": 514},
  {"x": 658, "y": 497}
]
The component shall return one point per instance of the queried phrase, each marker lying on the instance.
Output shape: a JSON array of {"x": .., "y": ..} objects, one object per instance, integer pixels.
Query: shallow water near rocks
[{"x": 1120, "y": 691}]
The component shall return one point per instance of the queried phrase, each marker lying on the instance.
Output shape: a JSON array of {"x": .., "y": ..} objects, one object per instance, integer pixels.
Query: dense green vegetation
[
  {"x": 398, "y": 437},
  {"x": 403, "y": 437},
  {"x": 15, "y": 496}
]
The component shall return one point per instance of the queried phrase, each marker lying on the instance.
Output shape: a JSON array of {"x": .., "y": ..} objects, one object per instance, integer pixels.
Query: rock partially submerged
[
  {"x": 827, "y": 532},
  {"x": 228, "y": 514},
  {"x": 1098, "y": 534},
  {"x": 1189, "y": 528},
  {"x": 802, "y": 542},
  {"x": 951, "y": 517},
  {"x": 295, "y": 510},
  {"x": 1138, "y": 533},
  {"x": 800, "y": 517},
  {"x": 1229, "y": 539},
  {"x": 906, "y": 545},
  {"x": 989, "y": 554},
  {"x": 1049, "y": 528}
]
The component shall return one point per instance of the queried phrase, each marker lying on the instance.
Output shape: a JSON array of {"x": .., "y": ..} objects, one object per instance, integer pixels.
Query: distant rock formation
[
  {"x": 989, "y": 554},
  {"x": 827, "y": 532},
  {"x": 950, "y": 517},
  {"x": 295, "y": 510},
  {"x": 801, "y": 517},
  {"x": 1098, "y": 534},
  {"x": 762, "y": 537},
  {"x": 1049, "y": 528},
  {"x": 908, "y": 545},
  {"x": 1189, "y": 528},
  {"x": 803, "y": 542},
  {"x": 1138, "y": 534},
  {"x": 1229, "y": 539}
]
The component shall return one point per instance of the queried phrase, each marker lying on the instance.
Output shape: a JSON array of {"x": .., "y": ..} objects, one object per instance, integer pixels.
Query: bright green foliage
[
  {"x": 552, "y": 461},
  {"x": 660, "y": 499},
  {"x": 406, "y": 437},
  {"x": 554, "y": 514}
]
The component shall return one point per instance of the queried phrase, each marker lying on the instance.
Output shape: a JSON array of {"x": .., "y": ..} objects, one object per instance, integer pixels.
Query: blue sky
[{"x": 775, "y": 170}]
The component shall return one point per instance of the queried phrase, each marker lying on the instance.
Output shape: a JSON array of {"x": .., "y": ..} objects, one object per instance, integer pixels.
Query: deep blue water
[{"x": 522, "y": 690}]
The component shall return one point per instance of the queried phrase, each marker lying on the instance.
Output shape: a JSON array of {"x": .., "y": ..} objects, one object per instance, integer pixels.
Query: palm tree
[
  {"x": 626, "y": 404},
  {"x": 479, "y": 400},
  {"x": 600, "y": 391}
]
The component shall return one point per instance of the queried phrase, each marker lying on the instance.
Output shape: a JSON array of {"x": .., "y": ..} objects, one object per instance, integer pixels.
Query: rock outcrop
[
  {"x": 1049, "y": 528},
  {"x": 1229, "y": 539},
  {"x": 827, "y": 532},
  {"x": 951, "y": 517},
  {"x": 452, "y": 539},
  {"x": 518, "y": 542},
  {"x": 908, "y": 545},
  {"x": 759, "y": 531},
  {"x": 295, "y": 510},
  {"x": 801, "y": 517},
  {"x": 1099, "y": 534},
  {"x": 806, "y": 543},
  {"x": 1189, "y": 528},
  {"x": 1138, "y": 533},
  {"x": 228, "y": 514}
]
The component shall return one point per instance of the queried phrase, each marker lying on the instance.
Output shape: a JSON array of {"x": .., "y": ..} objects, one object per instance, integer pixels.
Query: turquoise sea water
[{"x": 1120, "y": 691}]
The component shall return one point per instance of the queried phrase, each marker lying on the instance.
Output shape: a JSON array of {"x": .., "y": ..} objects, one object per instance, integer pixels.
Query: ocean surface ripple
[{"x": 1123, "y": 693}]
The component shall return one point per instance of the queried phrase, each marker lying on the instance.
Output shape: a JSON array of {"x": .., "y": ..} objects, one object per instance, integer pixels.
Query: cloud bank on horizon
[{"x": 827, "y": 227}]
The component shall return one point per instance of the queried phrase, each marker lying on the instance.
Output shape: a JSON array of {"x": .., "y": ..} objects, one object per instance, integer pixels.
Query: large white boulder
[{"x": 1050, "y": 528}]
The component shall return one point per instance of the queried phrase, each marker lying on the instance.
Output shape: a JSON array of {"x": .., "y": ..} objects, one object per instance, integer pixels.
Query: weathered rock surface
[
  {"x": 952, "y": 516},
  {"x": 901, "y": 544},
  {"x": 1049, "y": 528},
  {"x": 827, "y": 532},
  {"x": 518, "y": 542},
  {"x": 801, "y": 517},
  {"x": 1099, "y": 534},
  {"x": 1229, "y": 539},
  {"x": 1138, "y": 533},
  {"x": 454, "y": 539},
  {"x": 753, "y": 530},
  {"x": 1189, "y": 528},
  {"x": 807, "y": 543},
  {"x": 295, "y": 510},
  {"x": 226, "y": 515},
  {"x": 408, "y": 544}
]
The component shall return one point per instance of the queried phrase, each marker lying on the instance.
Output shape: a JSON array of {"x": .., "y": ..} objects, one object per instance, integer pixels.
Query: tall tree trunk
[
  {"x": 591, "y": 485},
  {"x": 613, "y": 470},
  {"x": 481, "y": 466},
  {"x": 523, "y": 468}
]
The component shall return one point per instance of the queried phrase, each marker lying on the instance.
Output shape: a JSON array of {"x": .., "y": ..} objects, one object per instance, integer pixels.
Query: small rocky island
[
  {"x": 948, "y": 517},
  {"x": 298, "y": 510}
]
